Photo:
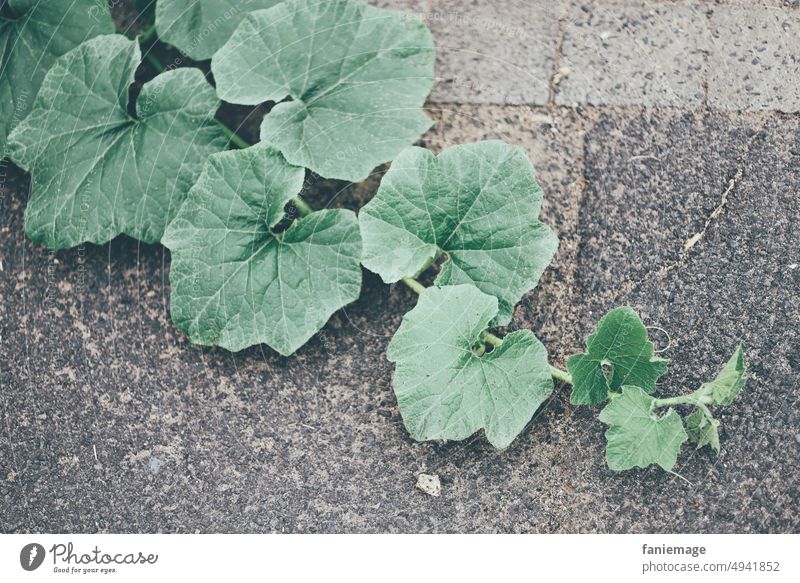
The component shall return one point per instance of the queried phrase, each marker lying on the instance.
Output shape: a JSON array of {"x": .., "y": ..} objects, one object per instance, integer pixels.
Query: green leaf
[
  {"x": 477, "y": 203},
  {"x": 619, "y": 343},
  {"x": 235, "y": 281},
  {"x": 636, "y": 436},
  {"x": 97, "y": 172},
  {"x": 32, "y": 39},
  {"x": 357, "y": 77},
  {"x": 447, "y": 390},
  {"x": 198, "y": 28},
  {"x": 728, "y": 383},
  {"x": 703, "y": 430}
]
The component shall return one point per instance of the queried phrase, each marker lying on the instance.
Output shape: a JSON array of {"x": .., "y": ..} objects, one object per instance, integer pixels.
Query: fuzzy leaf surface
[
  {"x": 478, "y": 203},
  {"x": 235, "y": 283},
  {"x": 620, "y": 343},
  {"x": 447, "y": 391},
  {"x": 97, "y": 172},
  {"x": 636, "y": 436},
  {"x": 357, "y": 77},
  {"x": 198, "y": 28},
  {"x": 33, "y": 34}
]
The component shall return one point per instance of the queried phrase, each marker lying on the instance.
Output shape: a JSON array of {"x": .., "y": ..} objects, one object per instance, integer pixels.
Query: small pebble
[{"x": 430, "y": 484}]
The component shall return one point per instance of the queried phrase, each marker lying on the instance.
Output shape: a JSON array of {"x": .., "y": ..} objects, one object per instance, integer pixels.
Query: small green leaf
[
  {"x": 619, "y": 343},
  {"x": 357, "y": 76},
  {"x": 728, "y": 383},
  {"x": 703, "y": 430},
  {"x": 198, "y": 28},
  {"x": 235, "y": 281},
  {"x": 636, "y": 436},
  {"x": 38, "y": 33},
  {"x": 97, "y": 172},
  {"x": 478, "y": 203},
  {"x": 447, "y": 388}
]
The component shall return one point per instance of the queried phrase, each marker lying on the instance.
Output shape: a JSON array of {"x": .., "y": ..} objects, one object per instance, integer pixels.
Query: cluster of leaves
[
  {"x": 619, "y": 366},
  {"x": 348, "y": 81}
]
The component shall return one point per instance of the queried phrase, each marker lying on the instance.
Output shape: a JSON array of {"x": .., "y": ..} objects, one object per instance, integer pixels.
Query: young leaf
[
  {"x": 447, "y": 390},
  {"x": 38, "y": 33},
  {"x": 97, "y": 172},
  {"x": 728, "y": 383},
  {"x": 636, "y": 436},
  {"x": 620, "y": 343},
  {"x": 478, "y": 203},
  {"x": 198, "y": 28},
  {"x": 357, "y": 77},
  {"x": 703, "y": 430},
  {"x": 235, "y": 281}
]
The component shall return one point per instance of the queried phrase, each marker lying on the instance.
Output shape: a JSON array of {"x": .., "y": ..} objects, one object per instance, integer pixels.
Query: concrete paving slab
[
  {"x": 631, "y": 52},
  {"x": 755, "y": 58},
  {"x": 494, "y": 52}
]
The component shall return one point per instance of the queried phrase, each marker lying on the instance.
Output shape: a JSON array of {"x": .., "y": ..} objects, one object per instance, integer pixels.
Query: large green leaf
[
  {"x": 198, "y": 28},
  {"x": 97, "y": 172},
  {"x": 447, "y": 388},
  {"x": 235, "y": 281},
  {"x": 637, "y": 436},
  {"x": 33, "y": 34},
  {"x": 727, "y": 384},
  {"x": 357, "y": 77},
  {"x": 477, "y": 203},
  {"x": 619, "y": 343}
]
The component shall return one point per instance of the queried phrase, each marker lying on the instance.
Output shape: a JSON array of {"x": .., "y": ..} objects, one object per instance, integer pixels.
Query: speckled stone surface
[
  {"x": 633, "y": 52},
  {"x": 755, "y": 61},
  {"x": 111, "y": 421},
  {"x": 487, "y": 52}
]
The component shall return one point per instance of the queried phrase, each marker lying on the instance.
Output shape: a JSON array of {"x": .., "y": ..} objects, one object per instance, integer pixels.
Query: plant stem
[
  {"x": 488, "y": 337},
  {"x": 147, "y": 34},
  {"x": 303, "y": 208},
  {"x": 232, "y": 137},
  {"x": 690, "y": 399}
]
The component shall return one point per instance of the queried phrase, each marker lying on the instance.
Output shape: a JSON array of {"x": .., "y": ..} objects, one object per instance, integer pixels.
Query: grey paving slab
[
  {"x": 629, "y": 52},
  {"x": 737, "y": 284},
  {"x": 494, "y": 52},
  {"x": 755, "y": 58}
]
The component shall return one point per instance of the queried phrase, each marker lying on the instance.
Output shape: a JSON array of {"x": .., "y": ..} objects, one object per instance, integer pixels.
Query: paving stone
[
  {"x": 494, "y": 52},
  {"x": 628, "y": 52},
  {"x": 653, "y": 189},
  {"x": 755, "y": 58},
  {"x": 737, "y": 284}
]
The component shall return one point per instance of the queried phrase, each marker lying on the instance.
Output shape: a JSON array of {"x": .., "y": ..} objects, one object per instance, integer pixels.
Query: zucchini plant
[{"x": 253, "y": 263}]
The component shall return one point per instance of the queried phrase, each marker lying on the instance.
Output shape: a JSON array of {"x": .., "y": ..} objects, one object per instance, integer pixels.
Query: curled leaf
[{"x": 728, "y": 383}]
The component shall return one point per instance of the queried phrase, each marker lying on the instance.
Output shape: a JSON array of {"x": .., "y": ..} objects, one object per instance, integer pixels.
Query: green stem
[
  {"x": 488, "y": 337},
  {"x": 232, "y": 137},
  {"x": 147, "y": 34},
  {"x": 303, "y": 208},
  {"x": 690, "y": 399}
]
